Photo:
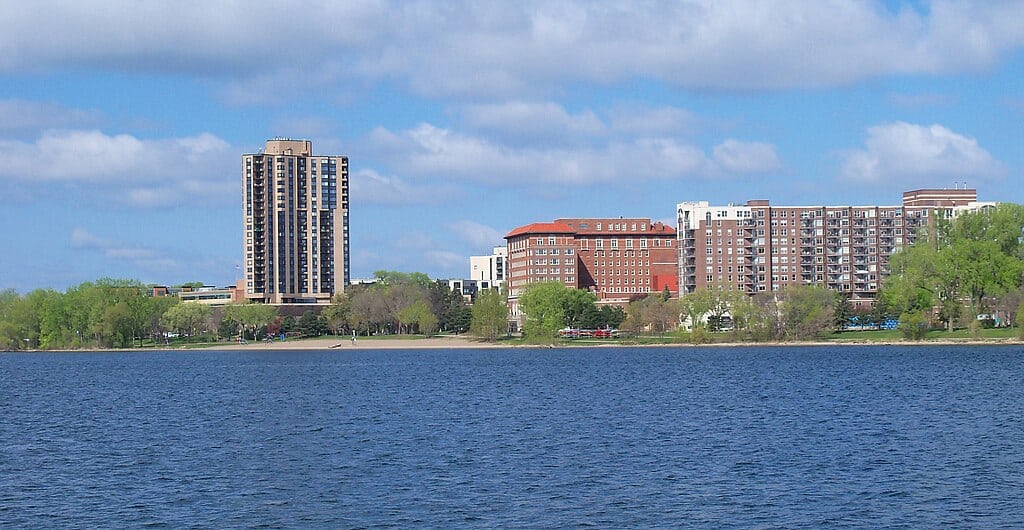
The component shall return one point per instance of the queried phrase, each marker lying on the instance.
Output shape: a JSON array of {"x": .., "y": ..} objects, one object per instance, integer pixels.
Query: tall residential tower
[{"x": 295, "y": 214}]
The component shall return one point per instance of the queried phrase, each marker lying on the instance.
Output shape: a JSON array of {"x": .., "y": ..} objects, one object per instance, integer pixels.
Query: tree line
[
  {"x": 121, "y": 314},
  {"x": 398, "y": 303},
  {"x": 798, "y": 313},
  {"x": 960, "y": 269}
]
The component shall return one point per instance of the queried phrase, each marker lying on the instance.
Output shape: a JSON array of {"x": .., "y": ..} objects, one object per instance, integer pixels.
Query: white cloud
[
  {"x": 125, "y": 168},
  {"x": 535, "y": 121},
  {"x": 445, "y": 260},
  {"x": 427, "y": 151},
  {"x": 904, "y": 154},
  {"x": 648, "y": 121},
  {"x": 478, "y": 235},
  {"x": 486, "y": 49},
  {"x": 735, "y": 156},
  {"x": 371, "y": 187},
  {"x": 18, "y": 116},
  {"x": 139, "y": 256},
  {"x": 81, "y": 238}
]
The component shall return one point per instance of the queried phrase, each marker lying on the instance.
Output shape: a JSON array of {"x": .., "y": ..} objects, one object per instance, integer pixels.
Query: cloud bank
[
  {"x": 494, "y": 49},
  {"x": 123, "y": 167},
  {"x": 902, "y": 154}
]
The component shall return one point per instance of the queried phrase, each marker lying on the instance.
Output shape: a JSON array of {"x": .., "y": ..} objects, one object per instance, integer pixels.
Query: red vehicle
[{"x": 606, "y": 334}]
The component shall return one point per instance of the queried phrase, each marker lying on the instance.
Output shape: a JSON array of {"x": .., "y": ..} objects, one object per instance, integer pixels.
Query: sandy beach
[
  {"x": 465, "y": 342},
  {"x": 339, "y": 343}
]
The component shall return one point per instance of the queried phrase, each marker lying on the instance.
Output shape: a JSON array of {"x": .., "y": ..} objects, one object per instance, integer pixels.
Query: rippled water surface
[{"x": 918, "y": 437}]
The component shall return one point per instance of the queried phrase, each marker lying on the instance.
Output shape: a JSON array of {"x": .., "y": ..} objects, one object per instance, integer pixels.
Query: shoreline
[{"x": 466, "y": 342}]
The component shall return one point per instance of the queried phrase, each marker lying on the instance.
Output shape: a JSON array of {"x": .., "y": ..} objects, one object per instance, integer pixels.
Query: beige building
[
  {"x": 758, "y": 247},
  {"x": 489, "y": 271},
  {"x": 295, "y": 214}
]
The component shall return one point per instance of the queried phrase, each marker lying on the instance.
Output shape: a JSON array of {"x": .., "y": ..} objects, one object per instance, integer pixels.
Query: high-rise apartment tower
[{"x": 295, "y": 214}]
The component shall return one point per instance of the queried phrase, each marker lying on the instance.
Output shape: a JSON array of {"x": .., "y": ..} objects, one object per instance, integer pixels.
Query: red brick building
[{"x": 615, "y": 258}]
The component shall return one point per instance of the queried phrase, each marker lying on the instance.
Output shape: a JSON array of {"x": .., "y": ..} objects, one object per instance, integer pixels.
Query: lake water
[{"x": 802, "y": 437}]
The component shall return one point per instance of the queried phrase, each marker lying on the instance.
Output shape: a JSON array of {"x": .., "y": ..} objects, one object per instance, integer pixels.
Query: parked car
[{"x": 606, "y": 333}]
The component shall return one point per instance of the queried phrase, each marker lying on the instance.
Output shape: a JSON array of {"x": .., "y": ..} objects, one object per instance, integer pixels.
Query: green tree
[
  {"x": 611, "y": 316},
  {"x": 807, "y": 311},
  {"x": 115, "y": 325},
  {"x": 368, "y": 311},
  {"x": 543, "y": 308},
  {"x": 913, "y": 324},
  {"x": 311, "y": 324},
  {"x": 150, "y": 311},
  {"x": 459, "y": 319},
  {"x": 251, "y": 317},
  {"x": 652, "y": 313},
  {"x": 418, "y": 315},
  {"x": 337, "y": 314},
  {"x": 188, "y": 318},
  {"x": 750, "y": 319},
  {"x": 17, "y": 321},
  {"x": 591, "y": 317},
  {"x": 879, "y": 312},
  {"x": 706, "y": 306},
  {"x": 843, "y": 311},
  {"x": 576, "y": 305},
  {"x": 971, "y": 258},
  {"x": 1019, "y": 320},
  {"x": 390, "y": 278},
  {"x": 449, "y": 306},
  {"x": 489, "y": 315}
]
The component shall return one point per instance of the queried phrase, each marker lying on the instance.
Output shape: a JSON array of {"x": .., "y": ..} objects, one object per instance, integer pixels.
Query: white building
[{"x": 489, "y": 271}]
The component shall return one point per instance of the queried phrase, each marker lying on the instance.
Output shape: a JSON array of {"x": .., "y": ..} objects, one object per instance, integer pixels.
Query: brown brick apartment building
[
  {"x": 615, "y": 258},
  {"x": 757, "y": 247}
]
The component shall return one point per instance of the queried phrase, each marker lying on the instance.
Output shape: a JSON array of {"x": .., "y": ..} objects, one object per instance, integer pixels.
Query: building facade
[
  {"x": 489, "y": 271},
  {"x": 757, "y": 247},
  {"x": 296, "y": 223},
  {"x": 618, "y": 259}
]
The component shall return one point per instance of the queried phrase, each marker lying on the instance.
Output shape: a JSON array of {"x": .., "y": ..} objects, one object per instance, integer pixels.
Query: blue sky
[{"x": 122, "y": 124}]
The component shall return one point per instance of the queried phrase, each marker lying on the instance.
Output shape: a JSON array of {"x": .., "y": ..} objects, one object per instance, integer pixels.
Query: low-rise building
[
  {"x": 617, "y": 259},
  {"x": 489, "y": 271},
  {"x": 214, "y": 296}
]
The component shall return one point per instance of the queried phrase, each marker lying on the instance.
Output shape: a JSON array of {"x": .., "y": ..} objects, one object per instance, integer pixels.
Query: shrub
[
  {"x": 699, "y": 335},
  {"x": 913, "y": 325}
]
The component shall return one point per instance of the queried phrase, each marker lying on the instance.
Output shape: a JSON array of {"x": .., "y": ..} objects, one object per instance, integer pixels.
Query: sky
[{"x": 122, "y": 124}]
